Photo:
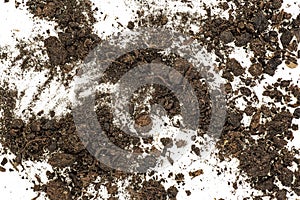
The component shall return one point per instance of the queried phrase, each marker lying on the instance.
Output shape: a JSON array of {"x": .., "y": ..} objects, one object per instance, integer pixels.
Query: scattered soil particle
[
  {"x": 297, "y": 113},
  {"x": 254, "y": 28},
  {"x": 227, "y": 37},
  {"x": 2, "y": 169},
  {"x": 61, "y": 160},
  {"x": 243, "y": 40},
  {"x": 4, "y": 161},
  {"x": 130, "y": 25},
  {"x": 286, "y": 37},
  {"x": 245, "y": 91},
  {"x": 235, "y": 67},
  {"x": 58, "y": 190},
  {"x": 172, "y": 192},
  {"x": 143, "y": 120},
  {"x": 188, "y": 192},
  {"x": 179, "y": 177},
  {"x": 56, "y": 51},
  {"x": 255, "y": 69},
  {"x": 167, "y": 142},
  {"x": 255, "y": 121},
  {"x": 196, "y": 150},
  {"x": 196, "y": 173}
]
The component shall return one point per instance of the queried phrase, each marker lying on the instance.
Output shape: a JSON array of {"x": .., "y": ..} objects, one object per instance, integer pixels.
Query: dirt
[
  {"x": 58, "y": 138},
  {"x": 74, "y": 29},
  {"x": 268, "y": 157},
  {"x": 260, "y": 147}
]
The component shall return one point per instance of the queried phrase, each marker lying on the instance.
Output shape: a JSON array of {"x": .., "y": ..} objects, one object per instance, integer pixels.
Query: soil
[
  {"x": 57, "y": 137},
  {"x": 76, "y": 40},
  {"x": 260, "y": 147}
]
